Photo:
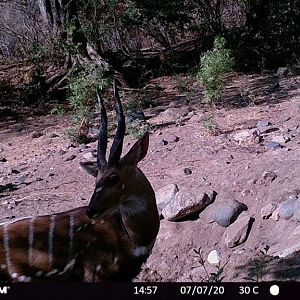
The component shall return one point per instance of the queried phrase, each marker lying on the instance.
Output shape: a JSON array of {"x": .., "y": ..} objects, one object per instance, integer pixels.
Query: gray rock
[
  {"x": 62, "y": 152},
  {"x": 263, "y": 123},
  {"x": 2, "y": 158},
  {"x": 279, "y": 139},
  {"x": 268, "y": 177},
  {"x": 174, "y": 111},
  {"x": 165, "y": 195},
  {"x": 287, "y": 137},
  {"x": 270, "y": 145},
  {"x": 70, "y": 145},
  {"x": 295, "y": 248},
  {"x": 170, "y": 138},
  {"x": 282, "y": 71},
  {"x": 275, "y": 215},
  {"x": 267, "y": 210},
  {"x": 83, "y": 146},
  {"x": 287, "y": 208},
  {"x": 163, "y": 142},
  {"x": 93, "y": 131},
  {"x": 296, "y": 216},
  {"x": 255, "y": 136},
  {"x": 186, "y": 203},
  {"x": 71, "y": 157},
  {"x": 227, "y": 212},
  {"x": 241, "y": 136},
  {"x": 36, "y": 134},
  {"x": 15, "y": 171},
  {"x": 187, "y": 171},
  {"x": 286, "y": 118},
  {"x": 268, "y": 129},
  {"x": 52, "y": 135},
  {"x": 137, "y": 115},
  {"x": 238, "y": 232},
  {"x": 89, "y": 156}
]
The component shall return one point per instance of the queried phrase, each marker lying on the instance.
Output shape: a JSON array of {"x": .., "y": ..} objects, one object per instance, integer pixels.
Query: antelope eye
[{"x": 112, "y": 180}]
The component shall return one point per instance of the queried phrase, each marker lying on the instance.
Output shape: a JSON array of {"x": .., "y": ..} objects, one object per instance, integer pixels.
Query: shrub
[
  {"x": 214, "y": 64},
  {"x": 82, "y": 97}
]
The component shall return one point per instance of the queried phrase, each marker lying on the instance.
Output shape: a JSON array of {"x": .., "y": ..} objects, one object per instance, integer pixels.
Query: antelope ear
[
  {"x": 90, "y": 167},
  {"x": 137, "y": 152}
]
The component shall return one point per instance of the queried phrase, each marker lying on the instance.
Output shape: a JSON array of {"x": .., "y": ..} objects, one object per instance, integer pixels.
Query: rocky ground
[{"x": 226, "y": 180}]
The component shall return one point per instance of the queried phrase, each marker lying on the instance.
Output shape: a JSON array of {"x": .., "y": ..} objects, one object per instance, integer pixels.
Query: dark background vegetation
[{"x": 57, "y": 49}]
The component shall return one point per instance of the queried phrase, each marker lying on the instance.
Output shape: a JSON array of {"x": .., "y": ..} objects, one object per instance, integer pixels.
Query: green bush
[
  {"x": 214, "y": 64},
  {"x": 82, "y": 97}
]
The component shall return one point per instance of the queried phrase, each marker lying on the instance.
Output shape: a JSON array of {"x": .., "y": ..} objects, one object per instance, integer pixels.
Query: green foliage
[
  {"x": 136, "y": 129},
  {"x": 210, "y": 124},
  {"x": 184, "y": 84},
  {"x": 214, "y": 64},
  {"x": 138, "y": 103},
  {"x": 73, "y": 135},
  {"x": 68, "y": 45},
  {"x": 260, "y": 266},
  {"x": 270, "y": 37},
  {"x": 82, "y": 95},
  {"x": 58, "y": 110}
]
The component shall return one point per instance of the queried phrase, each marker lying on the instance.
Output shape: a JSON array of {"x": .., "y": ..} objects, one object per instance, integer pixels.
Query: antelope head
[{"x": 118, "y": 180}]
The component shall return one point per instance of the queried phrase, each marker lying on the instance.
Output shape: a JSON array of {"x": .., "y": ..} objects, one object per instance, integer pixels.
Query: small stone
[
  {"x": 282, "y": 71},
  {"x": 170, "y": 138},
  {"x": 83, "y": 146},
  {"x": 163, "y": 142},
  {"x": 227, "y": 212},
  {"x": 255, "y": 136},
  {"x": 52, "y": 135},
  {"x": 287, "y": 208},
  {"x": 270, "y": 145},
  {"x": 15, "y": 171},
  {"x": 275, "y": 215},
  {"x": 279, "y": 139},
  {"x": 62, "y": 152},
  {"x": 268, "y": 129},
  {"x": 263, "y": 123},
  {"x": 2, "y": 158},
  {"x": 267, "y": 210},
  {"x": 93, "y": 132},
  {"x": 51, "y": 174},
  {"x": 287, "y": 137},
  {"x": 36, "y": 134},
  {"x": 268, "y": 177},
  {"x": 246, "y": 193},
  {"x": 89, "y": 156},
  {"x": 187, "y": 171},
  {"x": 70, "y": 145},
  {"x": 71, "y": 157},
  {"x": 286, "y": 118},
  {"x": 241, "y": 136},
  {"x": 213, "y": 257}
]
